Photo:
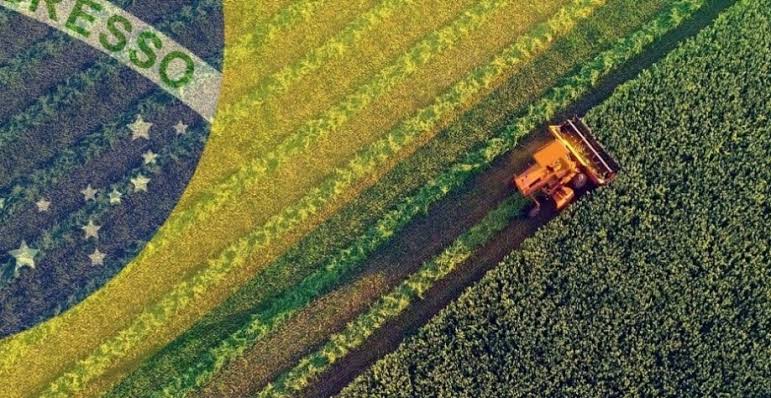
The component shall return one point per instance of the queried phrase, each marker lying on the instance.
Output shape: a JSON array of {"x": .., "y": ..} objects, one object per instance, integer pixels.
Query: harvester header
[{"x": 566, "y": 163}]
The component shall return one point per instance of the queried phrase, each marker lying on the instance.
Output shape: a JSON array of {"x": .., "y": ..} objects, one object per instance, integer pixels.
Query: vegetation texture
[
  {"x": 187, "y": 364},
  {"x": 396, "y": 301},
  {"x": 657, "y": 285},
  {"x": 316, "y": 134}
]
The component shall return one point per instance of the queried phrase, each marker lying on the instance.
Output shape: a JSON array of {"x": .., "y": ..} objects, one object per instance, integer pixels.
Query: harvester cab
[{"x": 568, "y": 162}]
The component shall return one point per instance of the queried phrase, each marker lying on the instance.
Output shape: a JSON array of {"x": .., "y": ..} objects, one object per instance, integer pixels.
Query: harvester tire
[{"x": 579, "y": 181}]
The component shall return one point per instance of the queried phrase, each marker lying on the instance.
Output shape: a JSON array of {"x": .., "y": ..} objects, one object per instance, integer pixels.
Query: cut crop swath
[
  {"x": 646, "y": 267},
  {"x": 348, "y": 259}
]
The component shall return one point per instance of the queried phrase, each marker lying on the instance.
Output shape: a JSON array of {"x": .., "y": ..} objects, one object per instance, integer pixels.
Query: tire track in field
[
  {"x": 42, "y": 329},
  {"x": 393, "y": 303},
  {"x": 387, "y": 147},
  {"x": 101, "y": 360},
  {"x": 486, "y": 191},
  {"x": 249, "y": 175},
  {"x": 436, "y": 231},
  {"x": 386, "y": 224}
]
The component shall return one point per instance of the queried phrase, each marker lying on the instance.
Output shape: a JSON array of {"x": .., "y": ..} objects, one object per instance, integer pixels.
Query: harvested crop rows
[
  {"x": 276, "y": 309},
  {"x": 665, "y": 308},
  {"x": 317, "y": 161}
]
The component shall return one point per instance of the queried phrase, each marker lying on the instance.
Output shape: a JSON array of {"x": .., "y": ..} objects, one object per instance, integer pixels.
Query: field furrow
[
  {"x": 370, "y": 161},
  {"x": 639, "y": 279},
  {"x": 237, "y": 255},
  {"x": 338, "y": 267},
  {"x": 357, "y": 170},
  {"x": 285, "y": 39},
  {"x": 390, "y": 305},
  {"x": 164, "y": 319},
  {"x": 323, "y": 78}
]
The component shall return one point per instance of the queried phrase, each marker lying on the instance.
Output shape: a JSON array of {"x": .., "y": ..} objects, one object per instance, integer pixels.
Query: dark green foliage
[{"x": 658, "y": 285}]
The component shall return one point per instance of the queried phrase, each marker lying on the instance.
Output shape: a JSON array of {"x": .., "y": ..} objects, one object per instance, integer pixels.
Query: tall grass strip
[
  {"x": 90, "y": 367},
  {"x": 646, "y": 288},
  {"x": 245, "y": 45},
  {"x": 336, "y": 47}
]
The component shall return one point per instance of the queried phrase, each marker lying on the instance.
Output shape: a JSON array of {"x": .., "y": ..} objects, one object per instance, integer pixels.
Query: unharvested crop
[{"x": 657, "y": 285}]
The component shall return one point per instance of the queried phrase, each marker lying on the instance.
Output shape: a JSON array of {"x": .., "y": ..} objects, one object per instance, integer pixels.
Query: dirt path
[{"x": 425, "y": 237}]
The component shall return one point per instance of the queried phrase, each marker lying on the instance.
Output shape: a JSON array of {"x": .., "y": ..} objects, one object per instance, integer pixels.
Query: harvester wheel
[{"x": 579, "y": 181}]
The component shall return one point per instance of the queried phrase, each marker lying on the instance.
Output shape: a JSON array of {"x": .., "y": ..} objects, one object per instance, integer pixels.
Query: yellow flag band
[{"x": 134, "y": 43}]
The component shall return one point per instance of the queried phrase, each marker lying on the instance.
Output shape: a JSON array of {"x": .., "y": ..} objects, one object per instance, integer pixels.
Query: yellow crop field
[{"x": 289, "y": 146}]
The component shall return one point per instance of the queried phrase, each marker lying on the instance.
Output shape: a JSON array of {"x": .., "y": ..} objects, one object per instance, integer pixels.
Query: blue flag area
[{"x": 93, "y": 156}]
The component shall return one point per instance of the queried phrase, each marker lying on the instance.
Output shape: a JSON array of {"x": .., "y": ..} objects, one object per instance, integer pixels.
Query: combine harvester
[{"x": 566, "y": 164}]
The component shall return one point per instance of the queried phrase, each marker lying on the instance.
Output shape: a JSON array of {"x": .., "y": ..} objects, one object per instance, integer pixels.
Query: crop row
[
  {"x": 47, "y": 106},
  {"x": 323, "y": 242},
  {"x": 303, "y": 138},
  {"x": 333, "y": 48},
  {"x": 55, "y": 43},
  {"x": 232, "y": 189},
  {"x": 36, "y": 50},
  {"x": 392, "y": 304},
  {"x": 12, "y": 72},
  {"x": 343, "y": 263},
  {"x": 365, "y": 163},
  {"x": 650, "y": 284},
  {"x": 561, "y": 97},
  {"x": 68, "y": 226},
  {"x": 25, "y": 189},
  {"x": 236, "y": 255},
  {"x": 244, "y": 46}
]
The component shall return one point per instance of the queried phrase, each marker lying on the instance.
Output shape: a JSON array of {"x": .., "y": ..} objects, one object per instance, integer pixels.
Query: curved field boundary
[
  {"x": 395, "y": 302},
  {"x": 208, "y": 203},
  {"x": 196, "y": 84},
  {"x": 368, "y": 161},
  {"x": 181, "y": 297},
  {"x": 522, "y": 87},
  {"x": 233, "y": 186},
  {"x": 25, "y": 341},
  {"x": 387, "y": 339},
  {"x": 8, "y": 26}
]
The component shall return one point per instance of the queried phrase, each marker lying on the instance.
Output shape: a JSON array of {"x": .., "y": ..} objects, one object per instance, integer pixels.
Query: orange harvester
[{"x": 566, "y": 163}]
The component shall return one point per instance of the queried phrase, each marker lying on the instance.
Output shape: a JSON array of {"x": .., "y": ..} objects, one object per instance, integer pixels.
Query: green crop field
[
  {"x": 357, "y": 178},
  {"x": 327, "y": 257},
  {"x": 656, "y": 285}
]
